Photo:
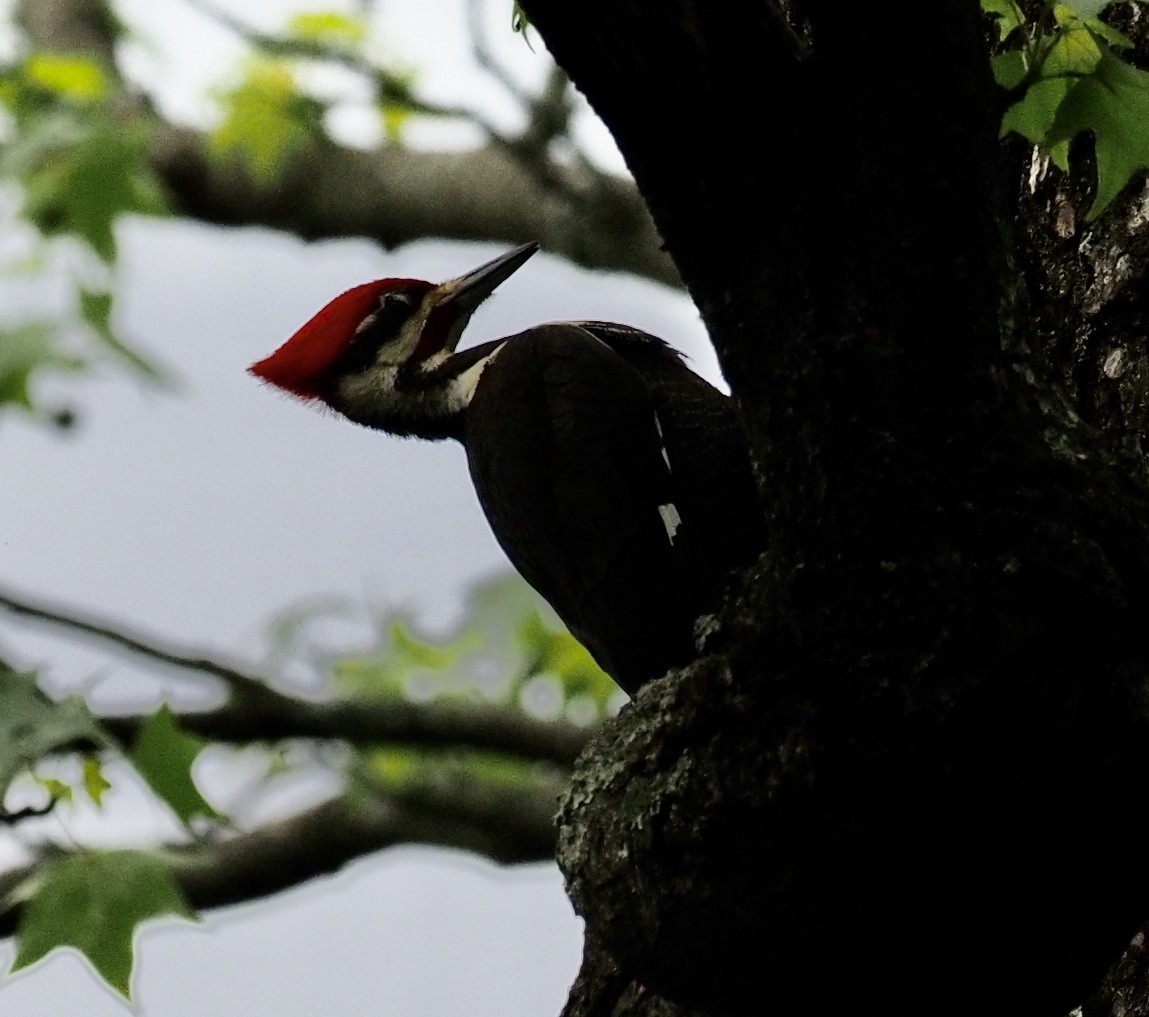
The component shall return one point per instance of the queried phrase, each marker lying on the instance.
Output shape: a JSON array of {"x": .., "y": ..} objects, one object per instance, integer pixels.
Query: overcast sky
[{"x": 198, "y": 515}]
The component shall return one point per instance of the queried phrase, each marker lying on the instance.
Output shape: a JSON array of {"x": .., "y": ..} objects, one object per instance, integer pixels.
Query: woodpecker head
[{"x": 382, "y": 353}]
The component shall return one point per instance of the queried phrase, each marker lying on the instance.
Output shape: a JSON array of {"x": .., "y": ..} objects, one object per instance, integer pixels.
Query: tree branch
[
  {"x": 389, "y": 87},
  {"x": 443, "y": 726},
  {"x": 244, "y": 684},
  {"x": 509, "y": 826},
  {"x": 257, "y": 711},
  {"x": 393, "y": 195}
]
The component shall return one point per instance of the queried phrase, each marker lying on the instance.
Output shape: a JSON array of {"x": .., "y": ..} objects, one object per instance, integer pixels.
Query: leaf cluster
[
  {"x": 91, "y": 901},
  {"x": 1065, "y": 79},
  {"x": 78, "y": 164},
  {"x": 95, "y": 901},
  {"x": 266, "y": 118},
  {"x": 79, "y": 161}
]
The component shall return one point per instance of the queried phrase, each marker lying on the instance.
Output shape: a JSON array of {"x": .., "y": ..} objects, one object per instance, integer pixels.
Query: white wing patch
[
  {"x": 662, "y": 445},
  {"x": 670, "y": 519}
]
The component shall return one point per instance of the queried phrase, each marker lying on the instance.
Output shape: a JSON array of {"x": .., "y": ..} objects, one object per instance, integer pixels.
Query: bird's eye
[
  {"x": 394, "y": 307},
  {"x": 395, "y": 300}
]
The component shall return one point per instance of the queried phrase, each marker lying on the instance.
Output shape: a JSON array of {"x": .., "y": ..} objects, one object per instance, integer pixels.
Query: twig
[
  {"x": 515, "y": 829},
  {"x": 390, "y": 87},
  {"x": 485, "y": 57},
  {"x": 240, "y": 682}
]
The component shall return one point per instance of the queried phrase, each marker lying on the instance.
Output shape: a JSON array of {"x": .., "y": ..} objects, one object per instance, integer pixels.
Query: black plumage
[{"x": 609, "y": 437}]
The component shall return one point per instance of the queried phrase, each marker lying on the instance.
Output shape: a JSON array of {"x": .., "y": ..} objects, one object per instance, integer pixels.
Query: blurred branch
[
  {"x": 393, "y": 195},
  {"x": 241, "y": 683},
  {"x": 257, "y": 712},
  {"x": 508, "y": 830},
  {"x": 70, "y": 26},
  {"x": 548, "y": 120},
  {"x": 506, "y": 826},
  {"x": 390, "y": 87},
  {"x": 397, "y": 195},
  {"x": 485, "y": 57},
  {"x": 437, "y": 725}
]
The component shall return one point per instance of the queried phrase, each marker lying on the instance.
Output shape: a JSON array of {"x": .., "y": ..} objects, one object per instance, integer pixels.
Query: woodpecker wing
[
  {"x": 568, "y": 462},
  {"x": 714, "y": 485}
]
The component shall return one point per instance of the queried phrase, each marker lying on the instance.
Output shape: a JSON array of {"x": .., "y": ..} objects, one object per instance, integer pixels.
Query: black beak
[{"x": 465, "y": 293}]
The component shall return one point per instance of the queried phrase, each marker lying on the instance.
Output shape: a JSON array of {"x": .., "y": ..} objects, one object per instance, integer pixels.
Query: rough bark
[{"x": 915, "y": 752}]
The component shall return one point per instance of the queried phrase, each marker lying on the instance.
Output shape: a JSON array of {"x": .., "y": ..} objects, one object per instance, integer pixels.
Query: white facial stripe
[
  {"x": 463, "y": 387},
  {"x": 670, "y": 519}
]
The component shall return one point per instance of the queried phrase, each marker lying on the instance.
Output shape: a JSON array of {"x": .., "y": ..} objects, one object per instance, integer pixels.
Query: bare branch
[
  {"x": 550, "y": 115},
  {"x": 240, "y": 682},
  {"x": 485, "y": 57},
  {"x": 71, "y": 26},
  {"x": 324, "y": 839},
  {"x": 509, "y": 826},
  {"x": 443, "y": 725},
  {"x": 395, "y": 195}
]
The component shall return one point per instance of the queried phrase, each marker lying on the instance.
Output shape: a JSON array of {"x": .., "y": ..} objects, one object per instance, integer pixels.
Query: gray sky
[{"x": 198, "y": 515}]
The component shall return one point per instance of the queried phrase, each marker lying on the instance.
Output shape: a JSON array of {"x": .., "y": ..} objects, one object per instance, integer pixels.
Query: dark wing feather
[
  {"x": 714, "y": 485},
  {"x": 567, "y": 462}
]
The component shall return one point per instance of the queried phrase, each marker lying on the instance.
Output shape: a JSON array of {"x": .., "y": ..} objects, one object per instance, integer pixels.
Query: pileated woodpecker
[{"x": 616, "y": 480}]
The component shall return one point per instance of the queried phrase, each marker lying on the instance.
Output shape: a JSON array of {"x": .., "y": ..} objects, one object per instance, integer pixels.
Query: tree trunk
[{"x": 906, "y": 773}]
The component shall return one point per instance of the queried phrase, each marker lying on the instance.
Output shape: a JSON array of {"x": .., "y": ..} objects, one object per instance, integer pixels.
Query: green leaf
[
  {"x": 95, "y": 783},
  {"x": 1089, "y": 8},
  {"x": 96, "y": 310},
  {"x": 1033, "y": 114},
  {"x": 418, "y": 654},
  {"x": 163, "y": 755},
  {"x": 551, "y": 650},
  {"x": 1074, "y": 51},
  {"x": 509, "y": 636},
  {"x": 405, "y": 769},
  {"x": 78, "y": 78},
  {"x": 1009, "y": 16},
  {"x": 395, "y": 116},
  {"x": 328, "y": 28},
  {"x": 26, "y": 350},
  {"x": 396, "y": 766},
  {"x": 1114, "y": 105},
  {"x": 1010, "y": 68},
  {"x": 33, "y": 726},
  {"x": 266, "y": 118},
  {"x": 57, "y": 790},
  {"x": 80, "y": 173},
  {"x": 95, "y": 902},
  {"x": 1109, "y": 34}
]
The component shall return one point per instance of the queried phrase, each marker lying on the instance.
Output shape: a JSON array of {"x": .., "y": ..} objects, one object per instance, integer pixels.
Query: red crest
[{"x": 298, "y": 366}]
